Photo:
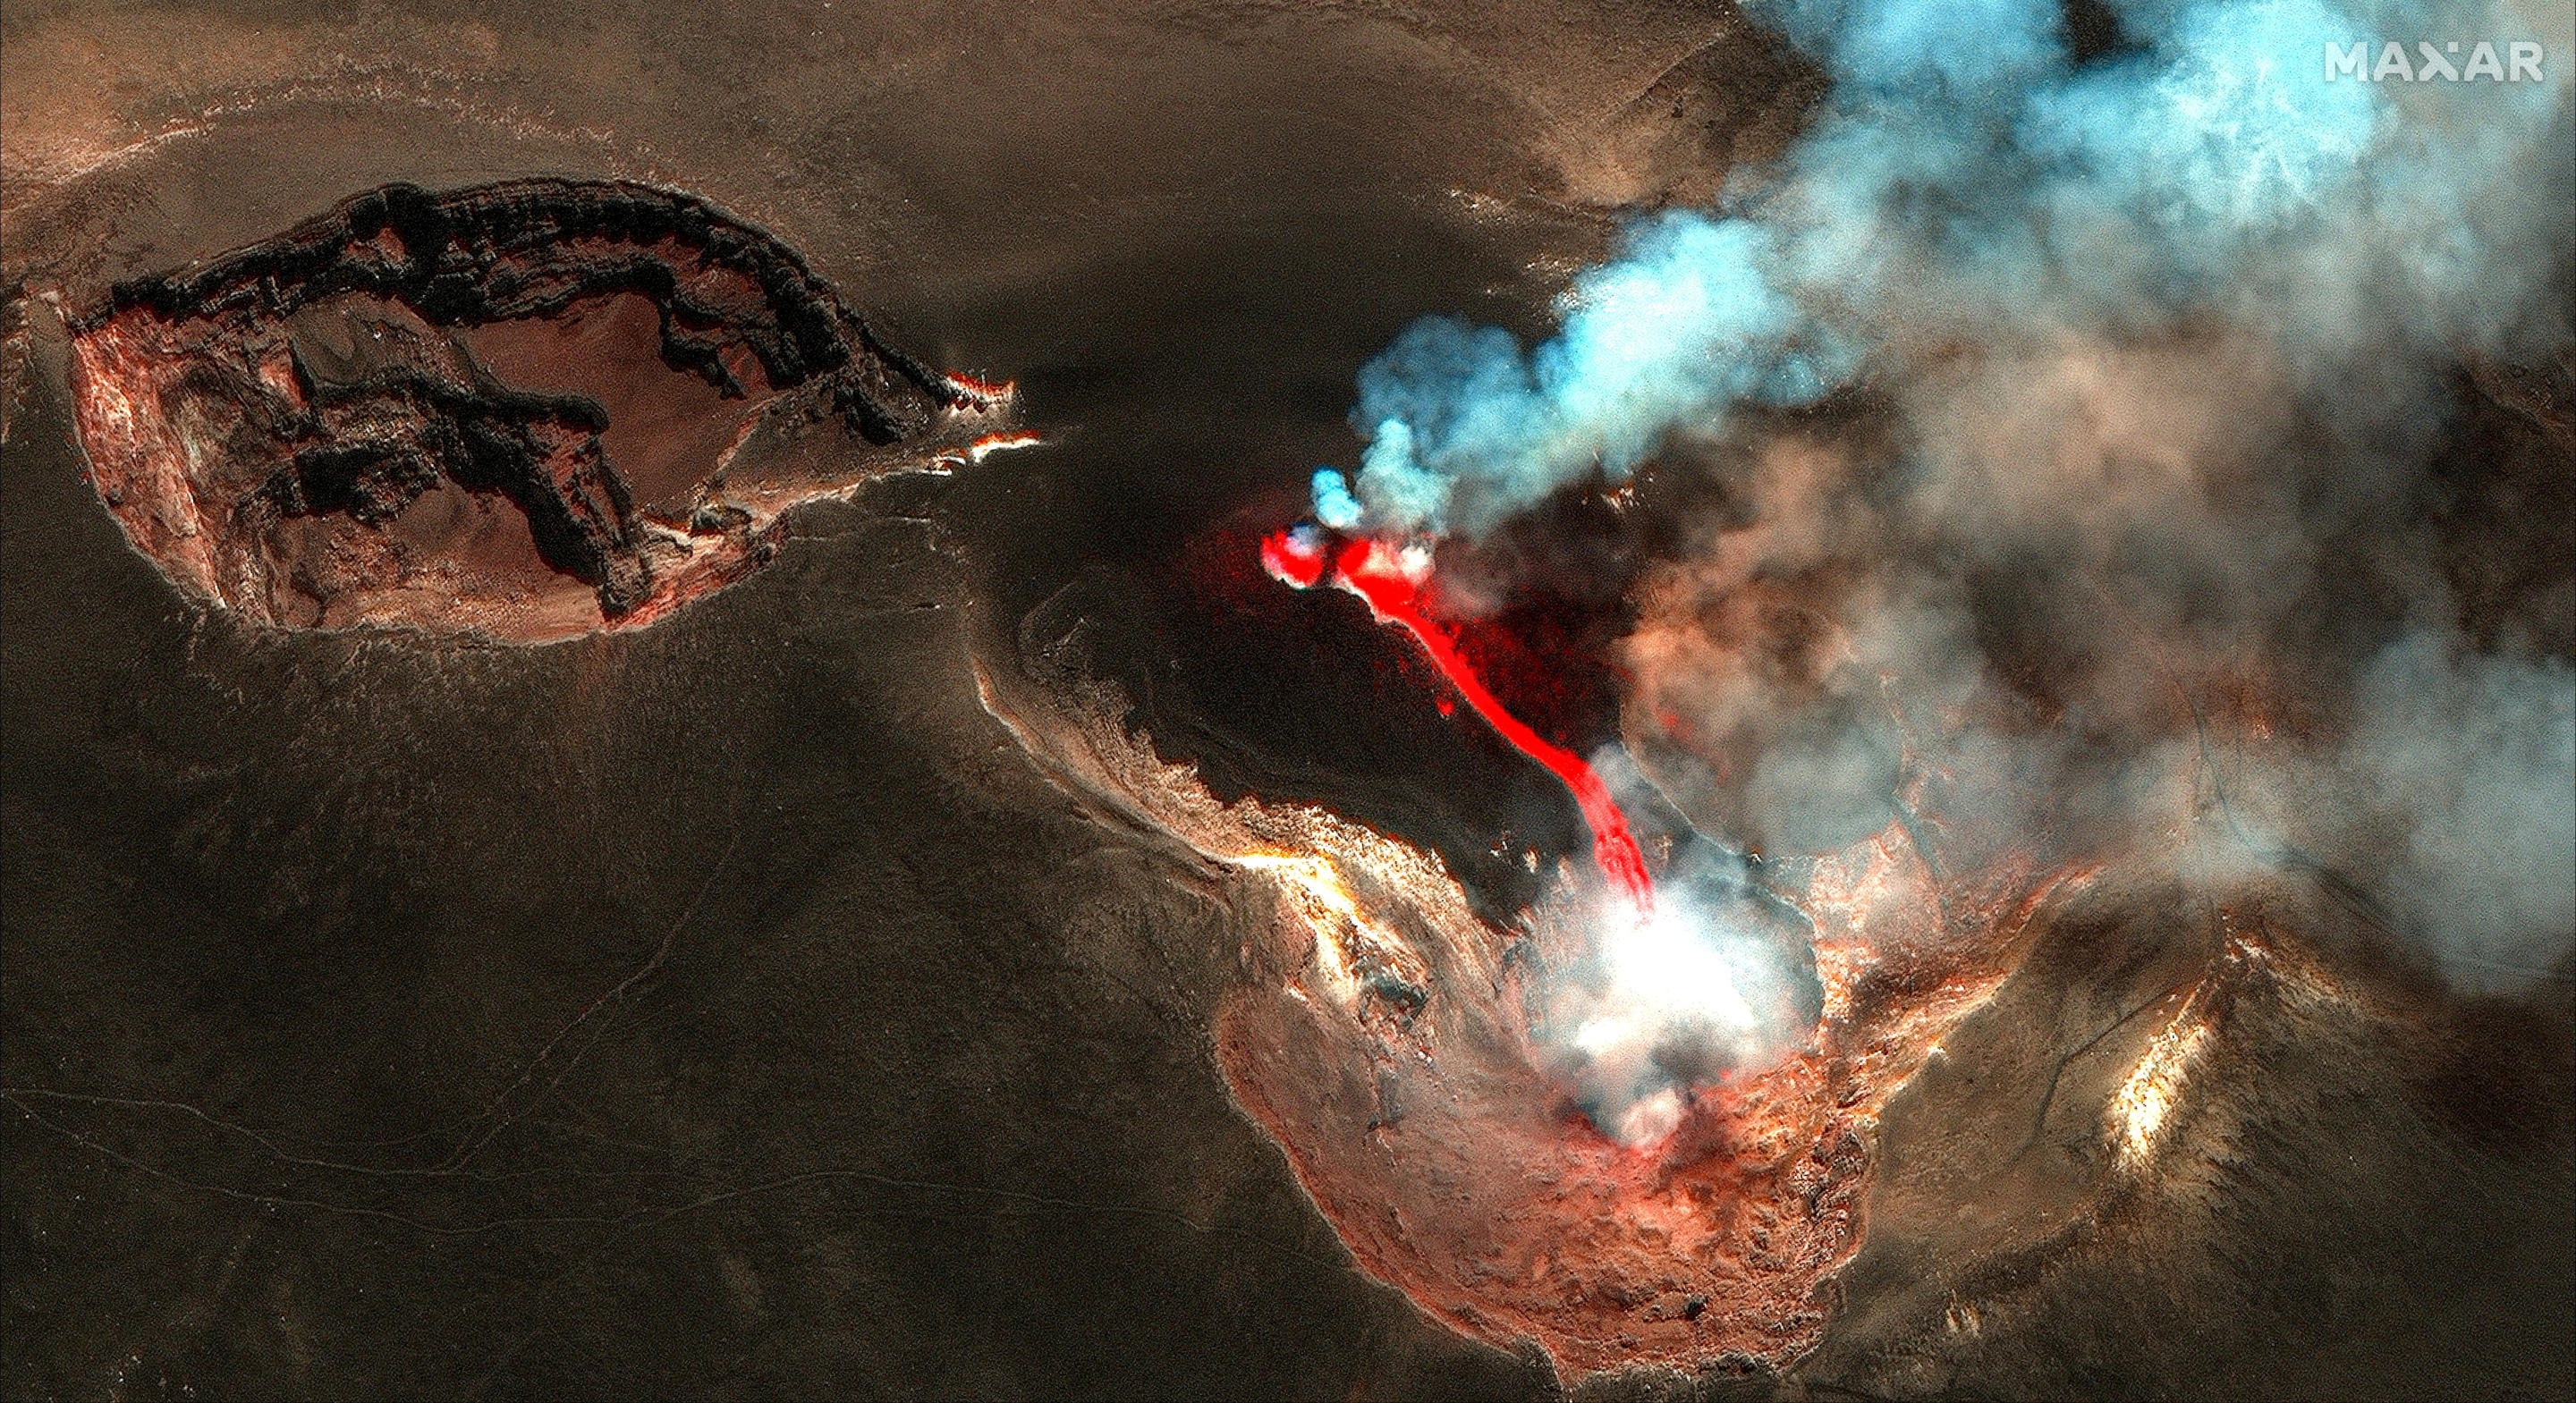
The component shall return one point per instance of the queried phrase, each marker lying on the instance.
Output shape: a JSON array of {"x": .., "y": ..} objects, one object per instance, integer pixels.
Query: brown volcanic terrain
[{"x": 761, "y": 1004}]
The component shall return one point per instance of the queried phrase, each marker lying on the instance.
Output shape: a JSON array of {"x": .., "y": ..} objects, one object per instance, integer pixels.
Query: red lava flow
[{"x": 1377, "y": 573}]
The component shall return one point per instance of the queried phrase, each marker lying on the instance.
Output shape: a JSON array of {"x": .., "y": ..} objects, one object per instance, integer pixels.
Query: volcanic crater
[{"x": 533, "y": 410}]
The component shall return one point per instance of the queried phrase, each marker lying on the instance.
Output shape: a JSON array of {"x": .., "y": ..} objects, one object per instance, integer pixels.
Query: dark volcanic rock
[{"x": 513, "y": 408}]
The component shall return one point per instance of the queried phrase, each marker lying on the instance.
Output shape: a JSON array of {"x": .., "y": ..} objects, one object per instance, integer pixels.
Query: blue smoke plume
[{"x": 1972, "y": 182}]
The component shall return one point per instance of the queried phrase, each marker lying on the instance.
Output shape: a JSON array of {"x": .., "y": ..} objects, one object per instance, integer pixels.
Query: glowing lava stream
[{"x": 1392, "y": 586}]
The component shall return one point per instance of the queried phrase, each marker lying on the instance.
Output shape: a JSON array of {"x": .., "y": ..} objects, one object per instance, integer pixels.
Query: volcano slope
[{"x": 774, "y": 1001}]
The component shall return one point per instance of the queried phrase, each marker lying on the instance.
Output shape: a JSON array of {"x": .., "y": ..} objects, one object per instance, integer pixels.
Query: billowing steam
[
  {"x": 1975, "y": 186},
  {"x": 1716, "y": 977},
  {"x": 2127, "y": 369}
]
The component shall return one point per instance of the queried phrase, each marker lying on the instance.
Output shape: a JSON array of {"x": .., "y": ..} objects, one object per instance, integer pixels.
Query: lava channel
[{"x": 1392, "y": 586}]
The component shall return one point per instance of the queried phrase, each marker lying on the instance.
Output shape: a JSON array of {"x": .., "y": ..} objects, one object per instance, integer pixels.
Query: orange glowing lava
[{"x": 967, "y": 392}]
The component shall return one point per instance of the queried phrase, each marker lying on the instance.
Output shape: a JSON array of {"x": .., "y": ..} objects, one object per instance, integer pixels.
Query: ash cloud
[
  {"x": 2086, "y": 429},
  {"x": 2481, "y": 752}
]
